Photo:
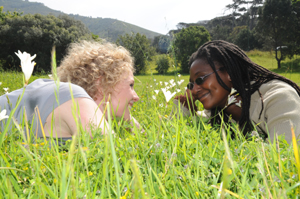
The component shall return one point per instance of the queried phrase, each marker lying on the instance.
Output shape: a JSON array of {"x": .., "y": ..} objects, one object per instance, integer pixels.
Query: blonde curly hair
[{"x": 91, "y": 64}]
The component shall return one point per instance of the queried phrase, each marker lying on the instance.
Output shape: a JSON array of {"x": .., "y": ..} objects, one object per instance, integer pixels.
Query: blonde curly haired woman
[{"x": 97, "y": 73}]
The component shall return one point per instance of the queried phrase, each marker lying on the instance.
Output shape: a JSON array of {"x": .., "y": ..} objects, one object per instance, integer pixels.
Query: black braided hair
[{"x": 246, "y": 76}]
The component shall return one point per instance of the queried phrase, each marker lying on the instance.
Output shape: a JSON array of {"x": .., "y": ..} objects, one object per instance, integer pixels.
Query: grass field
[{"x": 175, "y": 157}]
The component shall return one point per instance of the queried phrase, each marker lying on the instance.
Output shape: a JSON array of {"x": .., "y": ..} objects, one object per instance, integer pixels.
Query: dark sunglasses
[{"x": 199, "y": 80}]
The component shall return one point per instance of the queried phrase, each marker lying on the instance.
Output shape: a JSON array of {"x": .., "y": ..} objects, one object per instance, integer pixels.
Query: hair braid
[{"x": 246, "y": 76}]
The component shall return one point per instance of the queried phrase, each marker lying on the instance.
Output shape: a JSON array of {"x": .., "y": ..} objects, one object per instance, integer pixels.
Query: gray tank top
[{"x": 41, "y": 94}]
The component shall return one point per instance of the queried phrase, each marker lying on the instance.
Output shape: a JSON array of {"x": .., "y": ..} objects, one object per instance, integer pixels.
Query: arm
[
  {"x": 282, "y": 106},
  {"x": 134, "y": 122},
  {"x": 65, "y": 117}
]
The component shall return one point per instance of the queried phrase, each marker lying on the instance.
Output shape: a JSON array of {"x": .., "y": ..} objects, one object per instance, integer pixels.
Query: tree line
[
  {"x": 272, "y": 25},
  {"x": 251, "y": 24}
]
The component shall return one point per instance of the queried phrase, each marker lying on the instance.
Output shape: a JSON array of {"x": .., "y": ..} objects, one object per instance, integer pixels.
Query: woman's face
[
  {"x": 123, "y": 97},
  {"x": 210, "y": 93}
]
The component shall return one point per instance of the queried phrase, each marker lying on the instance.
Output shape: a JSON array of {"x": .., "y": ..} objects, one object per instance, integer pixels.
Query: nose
[
  {"x": 195, "y": 89},
  {"x": 135, "y": 97}
]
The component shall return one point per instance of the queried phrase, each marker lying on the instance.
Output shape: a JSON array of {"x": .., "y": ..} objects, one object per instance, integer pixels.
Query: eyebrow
[{"x": 196, "y": 74}]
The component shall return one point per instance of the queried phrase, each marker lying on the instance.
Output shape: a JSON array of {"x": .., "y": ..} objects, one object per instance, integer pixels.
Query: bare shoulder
[{"x": 66, "y": 116}]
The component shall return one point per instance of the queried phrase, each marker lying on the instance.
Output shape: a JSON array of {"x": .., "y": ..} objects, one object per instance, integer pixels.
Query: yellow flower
[
  {"x": 90, "y": 173},
  {"x": 54, "y": 181},
  {"x": 166, "y": 115},
  {"x": 35, "y": 145},
  {"x": 42, "y": 144},
  {"x": 229, "y": 171},
  {"x": 124, "y": 197},
  {"x": 197, "y": 193},
  {"x": 25, "y": 168},
  {"x": 174, "y": 136},
  {"x": 85, "y": 148}
]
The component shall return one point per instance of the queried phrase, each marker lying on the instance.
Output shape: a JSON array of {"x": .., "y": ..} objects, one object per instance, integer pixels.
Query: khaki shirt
[{"x": 281, "y": 109}]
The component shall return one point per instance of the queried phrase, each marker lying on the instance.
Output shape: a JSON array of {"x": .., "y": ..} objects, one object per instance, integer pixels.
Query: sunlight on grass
[{"x": 176, "y": 156}]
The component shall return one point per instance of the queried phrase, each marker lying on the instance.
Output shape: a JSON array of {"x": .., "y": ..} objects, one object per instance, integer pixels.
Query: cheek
[{"x": 119, "y": 106}]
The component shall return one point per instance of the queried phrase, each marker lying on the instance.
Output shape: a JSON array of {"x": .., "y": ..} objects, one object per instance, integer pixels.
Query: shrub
[{"x": 162, "y": 64}]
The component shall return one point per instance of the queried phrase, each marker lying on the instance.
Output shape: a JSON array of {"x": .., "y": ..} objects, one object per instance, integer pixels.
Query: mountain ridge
[{"x": 106, "y": 28}]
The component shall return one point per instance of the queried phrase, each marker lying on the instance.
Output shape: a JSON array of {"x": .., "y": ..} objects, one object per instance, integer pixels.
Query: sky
[{"x": 155, "y": 15}]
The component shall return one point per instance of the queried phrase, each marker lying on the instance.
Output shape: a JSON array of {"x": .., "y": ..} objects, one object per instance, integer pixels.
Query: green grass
[{"x": 175, "y": 157}]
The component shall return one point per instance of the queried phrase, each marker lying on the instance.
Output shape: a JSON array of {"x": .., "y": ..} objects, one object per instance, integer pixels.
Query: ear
[{"x": 228, "y": 76}]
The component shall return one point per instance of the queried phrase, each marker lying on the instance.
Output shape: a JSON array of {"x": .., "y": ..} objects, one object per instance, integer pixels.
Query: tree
[
  {"x": 140, "y": 49},
  {"x": 187, "y": 41},
  {"x": 4, "y": 15},
  {"x": 276, "y": 21},
  {"x": 161, "y": 43},
  {"x": 37, "y": 34},
  {"x": 244, "y": 10},
  {"x": 244, "y": 38},
  {"x": 296, "y": 12}
]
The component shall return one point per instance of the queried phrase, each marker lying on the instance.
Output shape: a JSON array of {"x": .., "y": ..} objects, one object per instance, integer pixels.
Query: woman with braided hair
[{"x": 223, "y": 78}]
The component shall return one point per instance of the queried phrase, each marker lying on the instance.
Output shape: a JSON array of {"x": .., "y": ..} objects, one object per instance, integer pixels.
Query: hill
[{"x": 106, "y": 28}]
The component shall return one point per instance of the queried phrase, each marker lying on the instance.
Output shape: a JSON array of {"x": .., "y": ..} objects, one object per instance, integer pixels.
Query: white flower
[
  {"x": 154, "y": 79},
  {"x": 156, "y": 91},
  {"x": 254, "y": 133},
  {"x": 171, "y": 81},
  {"x": 153, "y": 96},
  {"x": 150, "y": 86},
  {"x": 166, "y": 83},
  {"x": 231, "y": 100},
  {"x": 179, "y": 75},
  {"x": 0, "y": 83},
  {"x": 220, "y": 190},
  {"x": 161, "y": 105},
  {"x": 168, "y": 94},
  {"x": 232, "y": 91},
  {"x": 50, "y": 76},
  {"x": 239, "y": 104},
  {"x": 178, "y": 90},
  {"x": 160, "y": 82},
  {"x": 172, "y": 85},
  {"x": 6, "y": 90},
  {"x": 26, "y": 64},
  {"x": 180, "y": 82},
  {"x": 3, "y": 114}
]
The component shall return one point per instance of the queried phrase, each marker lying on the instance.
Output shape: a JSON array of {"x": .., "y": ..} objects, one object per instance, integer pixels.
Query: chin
[{"x": 207, "y": 106}]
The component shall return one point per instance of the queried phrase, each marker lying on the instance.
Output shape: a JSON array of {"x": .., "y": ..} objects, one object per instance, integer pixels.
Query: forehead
[
  {"x": 128, "y": 76},
  {"x": 199, "y": 66}
]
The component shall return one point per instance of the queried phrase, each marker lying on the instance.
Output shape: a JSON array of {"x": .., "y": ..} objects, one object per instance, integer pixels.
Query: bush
[{"x": 162, "y": 64}]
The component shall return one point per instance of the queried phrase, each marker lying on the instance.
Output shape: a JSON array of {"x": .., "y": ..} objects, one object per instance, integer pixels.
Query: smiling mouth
[{"x": 203, "y": 96}]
